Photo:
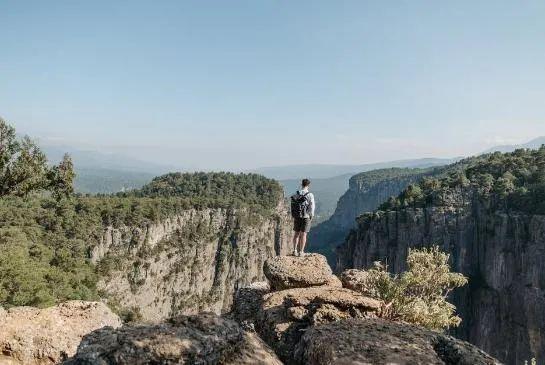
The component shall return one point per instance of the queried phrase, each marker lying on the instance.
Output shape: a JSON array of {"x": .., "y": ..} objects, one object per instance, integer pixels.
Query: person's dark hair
[{"x": 305, "y": 183}]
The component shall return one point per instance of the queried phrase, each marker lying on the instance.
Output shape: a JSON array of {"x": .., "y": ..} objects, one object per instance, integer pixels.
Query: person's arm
[{"x": 312, "y": 205}]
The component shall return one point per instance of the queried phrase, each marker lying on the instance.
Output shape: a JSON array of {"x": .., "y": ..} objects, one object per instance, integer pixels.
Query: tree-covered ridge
[
  {"x": 508, "y": 181},
  {"x": 368, "y": 179},
  {"x": 218, "y": 189}
]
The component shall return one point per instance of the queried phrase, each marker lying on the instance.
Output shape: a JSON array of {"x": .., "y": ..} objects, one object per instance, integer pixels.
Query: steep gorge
[
  {"x": 190, "y": 262},
  {"x": 490, "y": 219},
  {"x": 366, "y": 192}
]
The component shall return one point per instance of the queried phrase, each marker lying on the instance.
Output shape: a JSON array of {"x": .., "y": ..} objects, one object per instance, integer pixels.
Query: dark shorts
[{"x": 301, "y": 224}]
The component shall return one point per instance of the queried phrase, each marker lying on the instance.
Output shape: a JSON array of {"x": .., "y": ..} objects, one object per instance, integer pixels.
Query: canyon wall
[
  {"x": 191, "y": 262},
  {"x": 366, "y": 192},
  {"x": 503, "y": 306}
]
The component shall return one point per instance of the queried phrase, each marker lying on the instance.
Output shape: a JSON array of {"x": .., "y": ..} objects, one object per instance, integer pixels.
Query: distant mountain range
[
  {"x": 105, "y": 173},
  {"x": 326, "y": 171},
  {"x": 99, "y": 172},
  {"x": 533, "y": 144},
  {"x": 90, "y": 159}
]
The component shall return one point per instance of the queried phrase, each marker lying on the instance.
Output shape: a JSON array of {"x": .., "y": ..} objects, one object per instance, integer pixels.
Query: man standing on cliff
[{"x": 302, "y": 211}]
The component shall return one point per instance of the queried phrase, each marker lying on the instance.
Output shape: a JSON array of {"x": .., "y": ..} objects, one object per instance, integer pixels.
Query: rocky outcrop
[
  {"x": 322, "y": 324},
  {"x": 502, "y": 254},
  {"x": 286, "y": 314},
  {"x": 200, "y": 339},
  {"x": 191, "y": 262},
  {"x": 285, "y": 272},
  {"x": 47, "y": 336},
  {"x": 375, "y": 341},
  {"x": 365, "y": 193}
]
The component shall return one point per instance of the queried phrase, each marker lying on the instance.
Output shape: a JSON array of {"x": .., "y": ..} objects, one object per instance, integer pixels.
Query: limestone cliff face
[
  {"x": 365, "y": 193},
  {"x": 190, "y": 262},
  {"x": 503, "y": 306}
]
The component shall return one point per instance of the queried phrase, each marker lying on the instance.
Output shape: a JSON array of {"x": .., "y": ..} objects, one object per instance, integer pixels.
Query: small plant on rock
[{"x": 420, "y": 294}]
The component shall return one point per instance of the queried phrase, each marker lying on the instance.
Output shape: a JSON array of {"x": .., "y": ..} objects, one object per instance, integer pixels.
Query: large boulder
[
  {"x": 286, "y": 314},
  {"x": 199, "y": 339},
  {"x": 286, "y": 272},
  {"x": 47, "y": 336},
  {"x": 375, "y": 341}
]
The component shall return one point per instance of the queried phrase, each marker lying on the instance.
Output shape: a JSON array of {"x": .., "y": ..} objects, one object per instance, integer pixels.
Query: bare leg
[
  {"x": 302, "y": 242},
  {"x": 295, "y": 242}
]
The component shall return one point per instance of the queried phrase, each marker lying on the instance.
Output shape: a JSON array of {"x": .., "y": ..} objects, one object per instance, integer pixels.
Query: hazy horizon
[{"x": 247, "y": 84}]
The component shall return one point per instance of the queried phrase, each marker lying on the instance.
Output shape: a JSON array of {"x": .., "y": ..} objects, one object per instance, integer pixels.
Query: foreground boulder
[
  {"x": 286, "y": 272},
  {"x": 375, "y": 341},
  {"x": 47, "y": 336},
  {"x": 285, "y": 315},
  {"x": 199, "y": 339}
]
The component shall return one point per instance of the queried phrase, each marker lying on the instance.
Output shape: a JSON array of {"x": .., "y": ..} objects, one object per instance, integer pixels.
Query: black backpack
[{"x": 299, "y": 205}]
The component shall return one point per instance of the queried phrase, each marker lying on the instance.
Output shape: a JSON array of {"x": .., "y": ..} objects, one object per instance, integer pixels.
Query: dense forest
[
  {"x": 509, "y": 181},
  {"x": 46, "y": 231},
  {"x": 217, "y": 189}
]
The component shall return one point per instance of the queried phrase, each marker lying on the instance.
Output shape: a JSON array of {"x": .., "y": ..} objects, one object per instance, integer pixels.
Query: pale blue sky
[{"x": 240, "y": 84}]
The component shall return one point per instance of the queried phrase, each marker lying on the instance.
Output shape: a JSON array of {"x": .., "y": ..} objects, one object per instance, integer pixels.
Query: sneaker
[
  {"x": 302, "y": 254},
  {"x": 295, "y": 253}
]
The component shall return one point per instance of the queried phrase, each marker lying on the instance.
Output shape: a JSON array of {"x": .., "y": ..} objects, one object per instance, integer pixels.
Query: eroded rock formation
[
  {"x": 323, "y": 324},
  {"x": 285, "y": 272}
]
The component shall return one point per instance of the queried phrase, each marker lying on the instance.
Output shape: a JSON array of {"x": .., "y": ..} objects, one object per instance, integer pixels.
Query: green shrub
[{"x": 420, "y": 294}]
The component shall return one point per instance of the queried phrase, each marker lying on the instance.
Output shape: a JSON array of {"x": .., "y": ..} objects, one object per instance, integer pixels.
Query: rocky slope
[
  {"x": 48, "y": 336},
  {"x": 190, "y": 262},
  {"x": 365, "y": 193}
]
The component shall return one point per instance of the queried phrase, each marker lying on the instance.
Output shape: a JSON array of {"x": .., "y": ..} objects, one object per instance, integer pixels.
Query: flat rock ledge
[
  {"x": 286, "y": 272},
  {"x": 48, "y": 336}
]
